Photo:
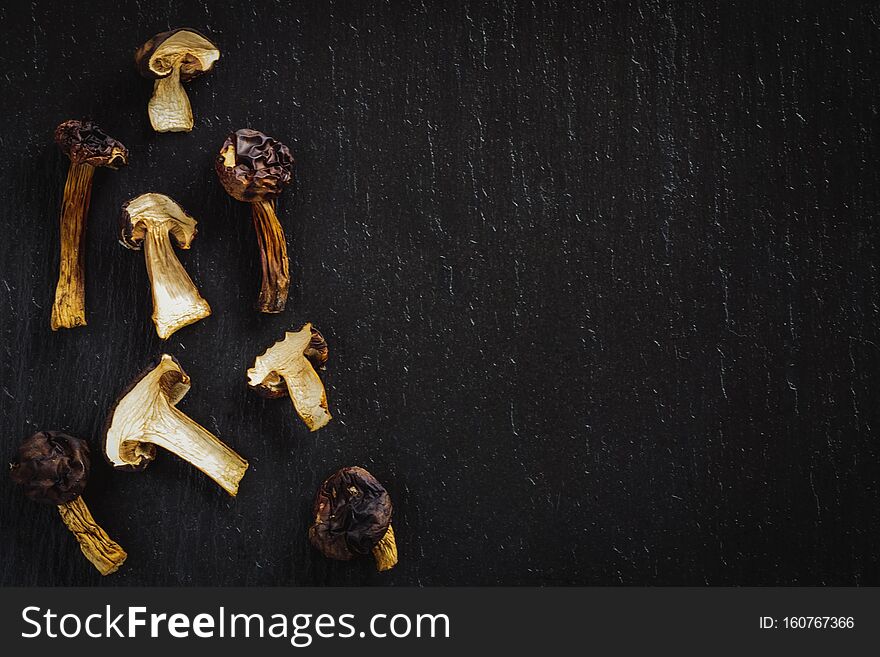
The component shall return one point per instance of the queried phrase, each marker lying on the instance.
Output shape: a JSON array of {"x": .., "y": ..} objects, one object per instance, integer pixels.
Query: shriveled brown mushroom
[
  {"x": 53, "y": 468},
  {"x": 255, "y": 168},
  {"x": 88, "y": 147},
  {"x": 149, "y": 221},
  {"x": 288, "y": 368},
  {"x": 352, "y": 517},
  {"x": 146, "y": 416},
  {"x": 171, "y": 58}
]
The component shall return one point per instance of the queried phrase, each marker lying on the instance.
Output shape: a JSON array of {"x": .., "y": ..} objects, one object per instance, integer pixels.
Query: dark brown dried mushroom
[
  {"x": 53, "y": 468},
  {"x": 146, "y": 416},
  {"x": 353, "y": 517},
  {"x": 149, "y": 221},
  {"x": 254, "y": 168},
  {"x": 288, "y": 368},
  {"x": 88, "y": 147},
  {"x": 171, "y": 58}
]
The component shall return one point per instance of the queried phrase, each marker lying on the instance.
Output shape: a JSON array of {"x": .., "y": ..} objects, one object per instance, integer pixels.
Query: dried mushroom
[
  {"x": 171, "y": 58},
  {"x": 254, "y": 168},
  {"x": 88, "y": 147},
  {"x": 146, "y": 416},
  {"x": 288, "y": 368},
  {"x": 353, "y": 517},
  {"x": 53, "y": 468},
  {"x": 149, "y": 221}
]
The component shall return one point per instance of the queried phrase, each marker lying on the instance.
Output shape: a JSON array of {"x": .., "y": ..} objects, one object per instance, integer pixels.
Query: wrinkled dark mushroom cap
[
  {"x": 52, "y": 467},
  {"x": 253, "y": 167},
  {"x": 195, "y": 53},
  {"x": 85, "y": 143},
  {"x": 352, "y": 514}
]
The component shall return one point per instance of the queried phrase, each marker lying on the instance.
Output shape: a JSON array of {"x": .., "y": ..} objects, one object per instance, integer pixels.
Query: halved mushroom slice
[
  {"x": 146, "y": 416},
  {"x": 149, "y": 221},
  {"x": 173, "y": 57},
  {"x": 286, "y": 368}
]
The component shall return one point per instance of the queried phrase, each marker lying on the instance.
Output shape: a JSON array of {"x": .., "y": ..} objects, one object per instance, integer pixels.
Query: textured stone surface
[{"x": 599, "y": 284}]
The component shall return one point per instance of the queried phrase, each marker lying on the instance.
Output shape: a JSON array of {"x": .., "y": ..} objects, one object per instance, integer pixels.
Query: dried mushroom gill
[
  {"x": 87, "y": 147},
  {"x": 255, "y": 168},
  {"x": 53, "y": 468},
  {"x": 171, "y": 58},
  {"x": 353, "y": 517},
  {"x": 146, "y": 417},
  {"x": 149, "y": 222},
  {"x": 288, "y": 368}
]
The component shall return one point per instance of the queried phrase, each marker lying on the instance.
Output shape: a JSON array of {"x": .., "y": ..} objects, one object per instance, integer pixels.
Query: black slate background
[{"x": 600, "y": 284}]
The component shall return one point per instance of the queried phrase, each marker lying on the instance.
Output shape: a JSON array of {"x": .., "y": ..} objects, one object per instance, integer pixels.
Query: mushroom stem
[
  {"x": 169, "y": 107},
  {"x": 385, "y": 551},
  {"x": 180, "y": 435},
  {"x": 69, "y": 309},
  {"x": 273, "y": 255},
  {"x": 176, "y": 300},
  {"x": 105, "y": 554}
]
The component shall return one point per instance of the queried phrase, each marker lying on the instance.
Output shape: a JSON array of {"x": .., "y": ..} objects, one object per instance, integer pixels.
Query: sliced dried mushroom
[
  {"x": 171, "y": 58},
  {"x": 288, "y": 368},
  {"x": 88, "y": 147},
  {"x": 149, "y": 221},
  {"x": 146, "y": 416},
  {"x": 53, "y": 468},
  {"x": 353, "y": 517},
  {"x": 255, "y": 168}
]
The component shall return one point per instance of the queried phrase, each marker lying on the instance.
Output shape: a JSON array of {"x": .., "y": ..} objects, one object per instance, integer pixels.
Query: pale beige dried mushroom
[
  {"x": 171, "y": 58},
  {"x": 146, "y": 416},
  {"x": 287, "y": 368},
  {"x": 149, "y": 221}
]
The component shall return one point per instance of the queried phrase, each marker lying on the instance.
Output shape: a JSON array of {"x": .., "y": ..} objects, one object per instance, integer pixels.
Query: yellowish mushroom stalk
[
  {"x": 149, "y": 222},
  {"x": 146, "y": 417},
  {"x": 69, "y": 308},
  {"x": 103, "y": 552},
  {"x": 385, "y": 551},
  {"x": 169, "y": 107},
  {"x": 286, "y": 360},
  {"x": 275, "y": 282}
]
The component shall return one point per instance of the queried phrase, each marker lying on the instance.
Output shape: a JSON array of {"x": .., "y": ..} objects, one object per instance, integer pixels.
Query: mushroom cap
[
  {"x": 52, "y": 468},
  {"x": 152, "y": 209},
  {"x": 85, "y": 143},
  {"x": 186, "y": 46},
  {"x": 253, "y": 167},
  {"x": 134, "y": 407},
  {"x": 352, "y": 514}
]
